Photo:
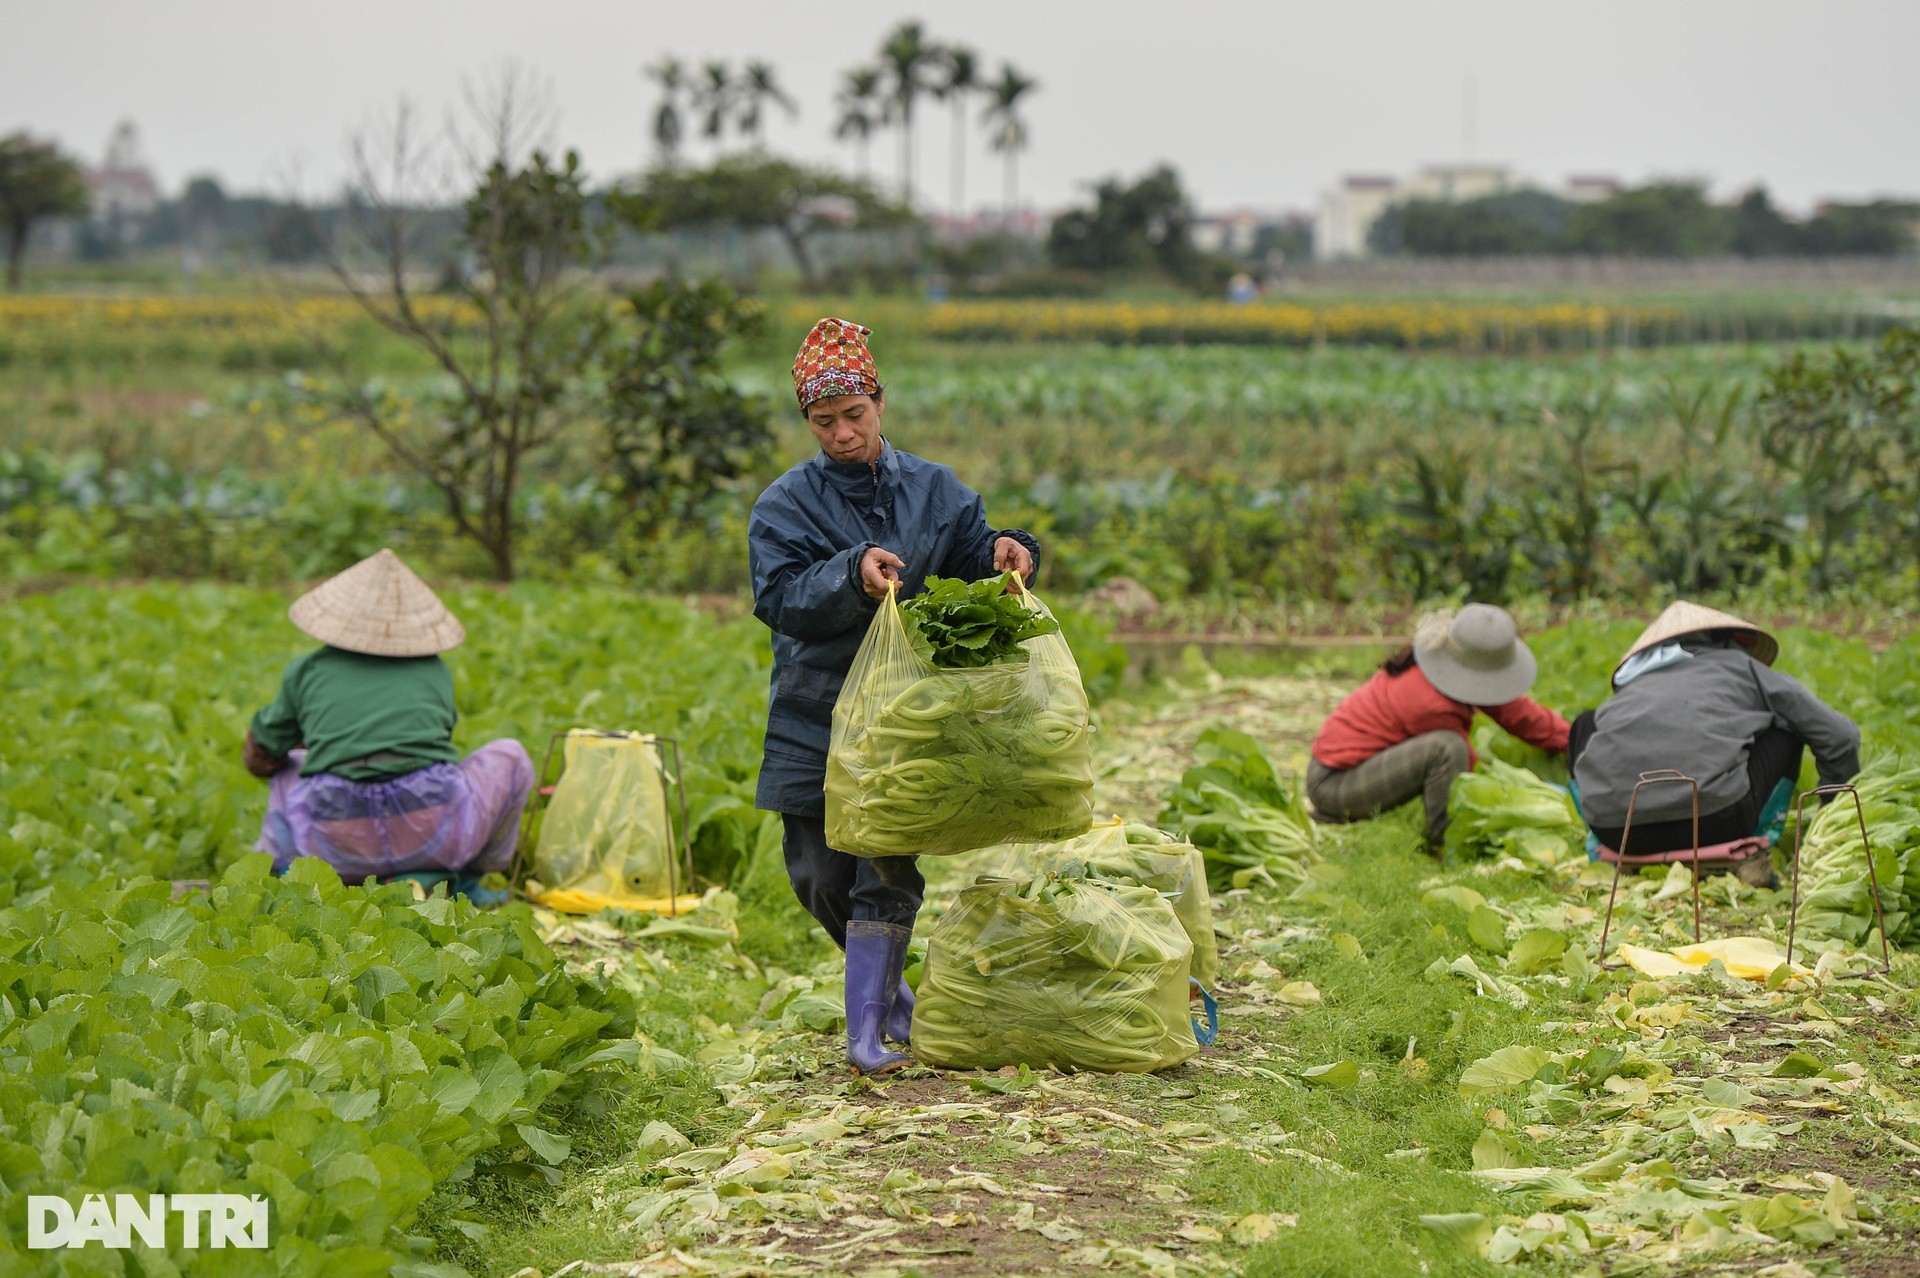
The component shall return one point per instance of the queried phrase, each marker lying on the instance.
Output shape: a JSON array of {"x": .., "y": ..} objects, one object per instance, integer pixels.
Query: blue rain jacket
[{"x": 809, "y": 530}]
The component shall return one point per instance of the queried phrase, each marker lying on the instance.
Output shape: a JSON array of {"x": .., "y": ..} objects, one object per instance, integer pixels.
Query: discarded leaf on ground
[{"x": 1508, "y": 1067}]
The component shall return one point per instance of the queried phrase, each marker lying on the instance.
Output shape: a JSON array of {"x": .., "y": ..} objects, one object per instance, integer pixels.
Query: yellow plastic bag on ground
[
  {"x": 926, "y": 761},
  {"x": 1753, "y": 957},
  {"x": 1134, "y": 852},
  {"x": 1056, "y": 971},
  {"x": 605, "y": 840}
]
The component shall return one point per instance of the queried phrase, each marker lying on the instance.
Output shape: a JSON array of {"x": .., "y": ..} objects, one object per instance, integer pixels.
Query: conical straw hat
[
  {"x": 1683, "y": 618},
  {"x": 379, "y": 607}
]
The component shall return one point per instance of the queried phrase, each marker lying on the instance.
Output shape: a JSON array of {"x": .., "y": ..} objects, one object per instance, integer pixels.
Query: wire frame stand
[
  {"x": 673, "y": 786},
  {"x": 1873, "y": 875},
  {"x": 1663, "y": 776}
]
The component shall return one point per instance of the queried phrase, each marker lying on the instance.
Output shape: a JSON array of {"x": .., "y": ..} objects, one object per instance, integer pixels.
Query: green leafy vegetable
[
  {"x": 341, "y": 1050},
  {"x": 1058, "y": 970},
  {"x": 929, "y": 761},
  {"x": 1838, "y": 898},
  {"x": 957, "y": 625},
  {"x": 1490, "y": 740},
  {"x": 1233, "y": 807},
  {"x": 1500, "y": 810}
]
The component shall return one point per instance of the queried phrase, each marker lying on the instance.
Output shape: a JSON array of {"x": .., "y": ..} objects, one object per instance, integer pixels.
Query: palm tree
[
  {"x": 959, "y": 80},
  {"x": 860, "y": 112},
  {"x": 713, "y": 98},
  {"x": 759, "y": 87},
  {"x": 1009, "y": 136},
  {"x": 668, "y": 127},
  {"x": 907, "y": 58}
]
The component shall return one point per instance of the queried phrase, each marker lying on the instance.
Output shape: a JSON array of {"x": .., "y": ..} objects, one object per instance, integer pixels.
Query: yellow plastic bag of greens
[
  {"x": 950, "y": 735},
  {"x": 1135, "y": 853},
  {"x": 605, "y": 840},
  {"x": 1056, "y": 971}
]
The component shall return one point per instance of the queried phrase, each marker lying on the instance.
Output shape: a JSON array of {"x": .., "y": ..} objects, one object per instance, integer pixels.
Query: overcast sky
[{"x": 1258, "y": 104}]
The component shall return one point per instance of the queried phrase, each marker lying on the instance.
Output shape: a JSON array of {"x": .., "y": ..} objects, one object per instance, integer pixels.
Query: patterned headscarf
[{"x": 834, "y": 360}]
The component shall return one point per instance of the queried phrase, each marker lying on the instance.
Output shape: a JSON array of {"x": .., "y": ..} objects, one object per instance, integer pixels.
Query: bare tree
[
  {"x": 525, "y": 229},
  {"x": 527, "y": 346},
  {"x": 510, "y": 113}
]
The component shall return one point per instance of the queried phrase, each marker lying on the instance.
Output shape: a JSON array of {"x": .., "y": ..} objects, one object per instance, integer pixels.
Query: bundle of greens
[
  {"x": 1837, "y": 899},
  {"x": 1500, "y": 810},
  {"x": 929, "y": 761},
  {"x": 959, "y": 625},
  {"x": 1490, "y": 740},
  {"x": 1060, "y": 970},
  {"x": 1128, "y": 853},
  {"x": 1247, "y": 823}
]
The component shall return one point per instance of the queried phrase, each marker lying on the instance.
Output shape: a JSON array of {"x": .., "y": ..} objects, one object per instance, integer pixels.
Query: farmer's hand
[
  {"x": 878, "y": 567},
  {"x": 1010, "y": 555}
]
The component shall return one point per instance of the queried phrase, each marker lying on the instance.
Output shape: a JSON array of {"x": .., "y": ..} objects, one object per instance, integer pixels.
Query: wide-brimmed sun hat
[
  {"x": 1475, "y": 656},
  {"x": 379, "y": 607},
  {"x": 1684, "y": 618}
]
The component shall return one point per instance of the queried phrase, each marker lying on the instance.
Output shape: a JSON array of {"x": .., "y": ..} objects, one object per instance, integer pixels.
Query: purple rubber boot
[
  {"x": 876, "y": 953},
  {"x": 900, "y": 1019}
]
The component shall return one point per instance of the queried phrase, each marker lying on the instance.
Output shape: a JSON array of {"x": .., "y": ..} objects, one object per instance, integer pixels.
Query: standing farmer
[
  {"x": 825, "y": 542},
  {"x": 358, "y": 745}
]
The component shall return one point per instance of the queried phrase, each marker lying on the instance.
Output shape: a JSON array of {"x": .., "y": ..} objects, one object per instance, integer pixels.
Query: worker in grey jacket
[{"x": 1697, "y": 693}]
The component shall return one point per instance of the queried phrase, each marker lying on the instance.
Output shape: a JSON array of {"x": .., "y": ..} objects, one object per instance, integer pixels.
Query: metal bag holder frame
[
  {"x": 1873, "y": 875},
  {"x": 1670, "y": 776},
  {"x": 1662, "y": 776},
  {"x": 673, "y": 788}
]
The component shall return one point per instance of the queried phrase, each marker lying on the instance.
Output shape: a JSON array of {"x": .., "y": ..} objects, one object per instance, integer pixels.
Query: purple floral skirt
[{"x": 461, "y": 816}]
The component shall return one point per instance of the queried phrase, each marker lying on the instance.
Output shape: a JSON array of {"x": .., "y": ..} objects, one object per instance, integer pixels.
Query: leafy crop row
[
  {"x": 1346, "y": 475},
  {"x": 341, "y": 1051}
]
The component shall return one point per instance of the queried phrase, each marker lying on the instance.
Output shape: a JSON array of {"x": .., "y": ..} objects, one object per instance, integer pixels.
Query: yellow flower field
[{"x": 40, "y": 323}]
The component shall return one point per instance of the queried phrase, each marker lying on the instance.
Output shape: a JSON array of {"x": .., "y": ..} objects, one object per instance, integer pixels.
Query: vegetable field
[
  {"x": 1421, "y": 1068},
  {"x": 190, "y": 438}
]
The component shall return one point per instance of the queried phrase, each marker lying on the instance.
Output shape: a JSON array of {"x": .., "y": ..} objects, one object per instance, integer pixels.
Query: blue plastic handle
[{"x": 1205, "y": 1036}]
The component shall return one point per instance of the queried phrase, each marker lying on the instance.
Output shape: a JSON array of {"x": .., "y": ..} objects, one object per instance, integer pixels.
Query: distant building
[
  {"x": 1590, "y": 188},
  {"x": 122, "y": 190},
  {"x": 1455, "y": 183},
  {"x": 1236, "y": 232},
  {"x": 123, "y": 187},
  {"x": 1348, "y": 212}
]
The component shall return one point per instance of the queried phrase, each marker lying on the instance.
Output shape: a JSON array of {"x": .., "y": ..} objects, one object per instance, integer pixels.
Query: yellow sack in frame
[
  {"x": 605, "y": 840},
  {"x": 926, "y": 761}
]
